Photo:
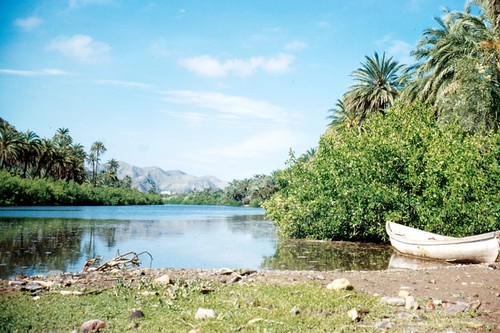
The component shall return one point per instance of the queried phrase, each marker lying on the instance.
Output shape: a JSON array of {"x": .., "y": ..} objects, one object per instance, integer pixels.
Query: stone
[
  {"x": 136, "y": 314},
  {"x": 354, "y": 315},
  {"x": 411, "y": 303},
  {"x": 226, "y": 271},
  {"x": 393, "y": 300},
  {"x": 203, "y": 313},
  {"x": 403, "y": 293},
  {"x": 93, "y": 325},
  {"x": 164, "y": 279},
  {"x": 340, "y": 284},
  {"x": 384, "y": 324},
  {"x": 455, "y": 307},
  {"x": 17, "y": 283},
  {"x": 295, "y": 311}
]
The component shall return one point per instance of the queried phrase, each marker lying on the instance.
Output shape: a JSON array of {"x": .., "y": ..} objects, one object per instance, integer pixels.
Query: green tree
[
  {"x": 96, "y": 150},
  {"x": 31, "y": 149},
  {"x": 11, "y": 146},
  {"x": 458, "y": 69},
  {"x": 404, "y": 167},
  {"x": 378, "y": 83},
  {"x": 342, "y": 118}
]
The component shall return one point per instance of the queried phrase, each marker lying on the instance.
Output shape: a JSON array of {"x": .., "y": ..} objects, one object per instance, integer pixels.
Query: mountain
[{"x": 173, "y": 181}]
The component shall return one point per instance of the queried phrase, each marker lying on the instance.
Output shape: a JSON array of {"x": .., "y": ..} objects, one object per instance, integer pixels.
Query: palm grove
[
  {"x": 51, "y": 171},
  {"x": 414, "y": 144}
]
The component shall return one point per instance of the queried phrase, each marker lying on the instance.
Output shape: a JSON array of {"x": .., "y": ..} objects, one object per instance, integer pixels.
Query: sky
[{"x": 210, "y": 87}]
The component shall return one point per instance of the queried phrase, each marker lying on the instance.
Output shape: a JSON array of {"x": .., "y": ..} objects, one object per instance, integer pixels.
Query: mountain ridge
[{"x": 152, "y": 178}]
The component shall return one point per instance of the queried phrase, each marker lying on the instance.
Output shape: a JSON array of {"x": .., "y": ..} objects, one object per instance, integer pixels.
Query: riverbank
[{"x": 457, "y": 298}]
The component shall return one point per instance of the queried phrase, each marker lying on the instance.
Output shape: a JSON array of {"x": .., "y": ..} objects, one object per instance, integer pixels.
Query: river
[{"x": 36, "y": 240}]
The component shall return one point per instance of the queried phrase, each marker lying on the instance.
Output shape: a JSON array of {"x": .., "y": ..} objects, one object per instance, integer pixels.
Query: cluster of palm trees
[
  {"x": 457, "y": 72},
  {"x": 27, "y": 155}
]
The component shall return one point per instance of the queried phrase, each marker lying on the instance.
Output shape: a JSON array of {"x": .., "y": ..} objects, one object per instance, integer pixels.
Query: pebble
[
  {"x": 393, "y": 300},
  {"x": 164, "y": 279},
  {"x": 411, "y": 303},
  {"x": 93, "y": 325},
  {"x": 295, "y": 311},
  {"x": 403, "y": 293},
  {"x": 203, "y": 313},
  {"x": 340, "y": 284},
  {"x": 354, "y": 315}
]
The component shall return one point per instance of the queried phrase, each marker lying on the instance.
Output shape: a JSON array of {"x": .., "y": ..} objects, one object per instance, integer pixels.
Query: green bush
[
  {"x": 402, "y": 167},
  {"x": 17, "y": 191}
]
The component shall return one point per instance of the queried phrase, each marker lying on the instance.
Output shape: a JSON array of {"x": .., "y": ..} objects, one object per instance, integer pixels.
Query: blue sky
[{"x": 223, "y": 88}]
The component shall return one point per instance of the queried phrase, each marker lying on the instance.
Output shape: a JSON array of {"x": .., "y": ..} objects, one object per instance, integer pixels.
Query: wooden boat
[{"x": 473, "y": 249}]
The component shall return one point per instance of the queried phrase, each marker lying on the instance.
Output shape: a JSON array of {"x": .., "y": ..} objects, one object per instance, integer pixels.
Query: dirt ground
[{"x": 478, "y": 284}]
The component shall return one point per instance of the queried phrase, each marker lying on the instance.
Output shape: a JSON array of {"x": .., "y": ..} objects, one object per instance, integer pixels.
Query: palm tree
[
  {"x": 111, "y": 173},
  {"x": 31, "y": 149},
  {"x": 10, "y": 146},
  {"x": 342, "y": 118},
  {"x": 377, "y": 84},
  {"x": 96, "y": 150},
  {"x": 459, "y": 69}
]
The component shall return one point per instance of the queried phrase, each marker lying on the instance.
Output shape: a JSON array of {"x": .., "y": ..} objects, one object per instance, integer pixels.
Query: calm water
[{"x": 35, "y": 240}]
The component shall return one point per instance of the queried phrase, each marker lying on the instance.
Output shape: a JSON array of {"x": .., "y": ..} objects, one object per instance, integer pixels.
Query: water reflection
[
  {"x": 400, "y": 261},
  {"x": 37, "y": 240},
  {"x": 320, "y": 256}
]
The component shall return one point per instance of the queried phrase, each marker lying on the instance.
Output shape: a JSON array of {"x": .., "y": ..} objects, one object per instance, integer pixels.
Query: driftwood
[{"x": 120, "y": 261}]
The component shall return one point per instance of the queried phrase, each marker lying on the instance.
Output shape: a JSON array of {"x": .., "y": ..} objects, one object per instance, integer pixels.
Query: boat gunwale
[{"x": 438, "y": 242}]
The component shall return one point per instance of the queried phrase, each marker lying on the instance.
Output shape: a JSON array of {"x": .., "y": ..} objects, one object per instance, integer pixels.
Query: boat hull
[{"x": 474, "y": 249}]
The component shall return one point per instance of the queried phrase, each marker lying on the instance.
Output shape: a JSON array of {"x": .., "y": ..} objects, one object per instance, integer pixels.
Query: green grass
[{"x": 245, "y": 307}]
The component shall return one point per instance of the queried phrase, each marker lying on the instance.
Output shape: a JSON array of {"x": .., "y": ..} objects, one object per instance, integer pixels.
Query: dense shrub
[
  {"x": 17, "y": 191},
  {"x": 402, "y": 167}
]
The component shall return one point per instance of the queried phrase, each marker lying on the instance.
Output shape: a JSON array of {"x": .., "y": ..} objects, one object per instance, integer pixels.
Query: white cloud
[
  {"x": 209, "y": 66},
  {"x": 193, "y": 119},
  {"x": 267, "y": 142},
  {"x": 229, "y": 106},
  {"x": 28, "y": 23},
  {"x": 295, "y": 45},
  {"x": 400, "y": 50},
  {"x": 82, "y": 48},
  {"x": 40, "y": 72},
  {"x": 126, "y": 84}
]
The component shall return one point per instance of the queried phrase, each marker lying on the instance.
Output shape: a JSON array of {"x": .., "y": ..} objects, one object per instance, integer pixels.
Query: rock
[
  {"x": 195, "y": 330},
  {"x": 245, "y": 272},
  {"x": 354, "y": 315},
  {"x": 403, "y": 293},
  {"x": 340, "y": 284},
  {"x": 203, "y": 313},
  {"x": 234, "y": 279},
  {"x": 93, "y": 325},
  {"x": 295, "y": 311},
  {"x": 411, "y": 303},
  {"x": 393, "y": 300},
  {"x": 475, "y": 305},
  {"x": 226, "y": 271},
  {"x": 149, "y": 293},
  {"x": 136, "y": 314},
  {"x": 17, "y": 283},
  {"x": 33, "y": 288},
  {"x": 384, "y": 324},
  {"x": 455, "y": 307},
  {"x": 164, "y": 279}
]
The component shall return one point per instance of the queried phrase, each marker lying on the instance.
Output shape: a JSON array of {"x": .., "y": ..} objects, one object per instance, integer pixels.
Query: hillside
[{"x": 172, "y": 181}]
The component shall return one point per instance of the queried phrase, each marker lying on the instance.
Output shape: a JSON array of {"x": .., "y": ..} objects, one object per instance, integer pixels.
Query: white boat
[{"x": 473, "y": 249}]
